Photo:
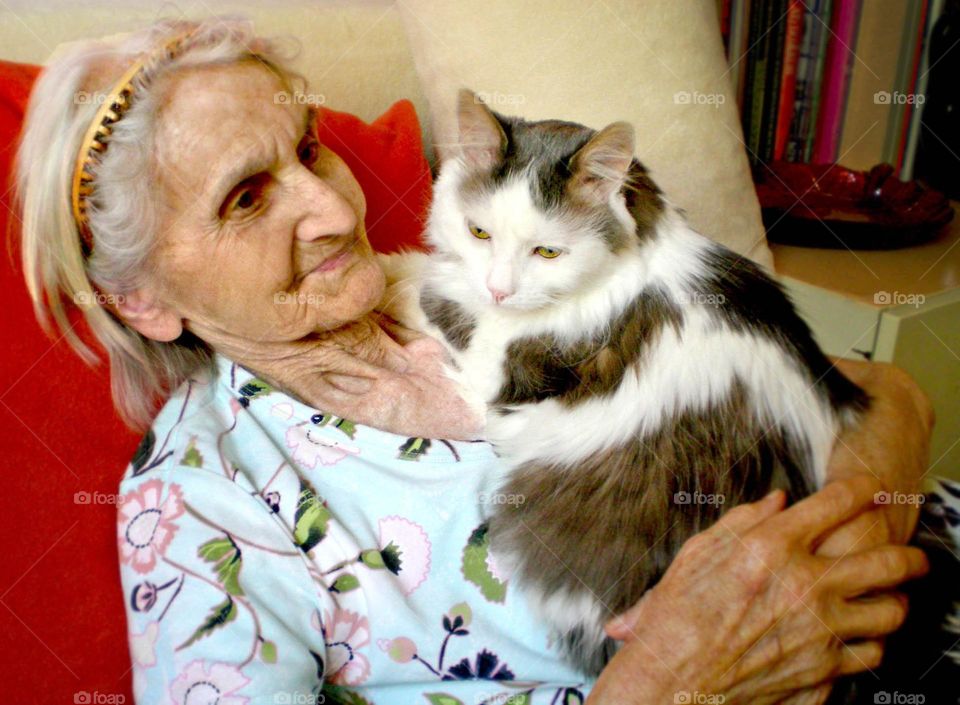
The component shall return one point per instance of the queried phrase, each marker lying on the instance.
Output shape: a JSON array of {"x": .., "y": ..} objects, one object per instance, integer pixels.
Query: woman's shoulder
[{"x": 197, "y": 409}]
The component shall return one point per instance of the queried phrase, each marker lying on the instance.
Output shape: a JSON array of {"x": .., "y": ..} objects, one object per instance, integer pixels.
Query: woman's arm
[
  {"x": 748, "y": 610},
  {"x": 892, "y": 444}
]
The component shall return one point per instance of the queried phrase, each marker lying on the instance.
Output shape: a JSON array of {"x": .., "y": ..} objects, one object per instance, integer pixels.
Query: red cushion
[{"x": 62, "y": 629}]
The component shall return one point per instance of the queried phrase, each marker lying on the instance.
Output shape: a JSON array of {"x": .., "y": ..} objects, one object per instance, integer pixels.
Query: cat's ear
[
  {"x": 482, "y": 140},
  {"x": 600, "y": 167}
]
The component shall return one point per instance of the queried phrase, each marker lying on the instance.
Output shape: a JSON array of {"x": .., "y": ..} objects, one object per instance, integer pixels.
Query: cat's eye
[
  {"x": 479, "y": 233},
  {"x": 546, "y": 252}
]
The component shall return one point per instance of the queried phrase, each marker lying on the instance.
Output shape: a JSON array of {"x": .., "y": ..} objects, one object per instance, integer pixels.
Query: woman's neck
[{"x": 371, "y": 371}]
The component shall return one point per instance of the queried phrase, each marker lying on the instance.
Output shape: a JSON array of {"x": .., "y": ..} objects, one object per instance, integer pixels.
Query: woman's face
[{"x": 262, "y": 236}]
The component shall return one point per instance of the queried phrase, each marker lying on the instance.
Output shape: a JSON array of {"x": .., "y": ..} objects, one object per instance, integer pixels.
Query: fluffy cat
[{"x": 639, "y": 378}]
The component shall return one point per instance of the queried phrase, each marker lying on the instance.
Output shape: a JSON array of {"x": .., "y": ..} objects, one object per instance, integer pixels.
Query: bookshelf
[{"x": 826, "y": 81}]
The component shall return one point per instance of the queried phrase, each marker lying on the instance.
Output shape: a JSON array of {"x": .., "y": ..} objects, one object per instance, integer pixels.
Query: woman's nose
[{"x": 325, "y": 212}]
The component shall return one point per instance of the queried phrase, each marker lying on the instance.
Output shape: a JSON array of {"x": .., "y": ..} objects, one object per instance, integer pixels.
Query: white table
[{"x": 898, "y": 306}]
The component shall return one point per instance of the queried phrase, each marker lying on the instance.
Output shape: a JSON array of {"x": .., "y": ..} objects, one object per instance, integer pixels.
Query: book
[
  {"x": 756, "y": 72},
  {"x": 911, "y": 45},
  {"x": 823, "y": 17},
  {"x": 737, "y": 48},
  {"x": 776, "y": 33},
  {"x": 873, "y": 95},
  {"x": 912, "y": 125},
  {"x": 836, "y": 80},
  {"x": 744, "y": 46},
  {"x": 788, "y": 77}
]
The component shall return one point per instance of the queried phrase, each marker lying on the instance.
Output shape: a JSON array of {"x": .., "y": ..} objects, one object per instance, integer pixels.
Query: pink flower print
[
  {"x": 146, "y": 523},
  {"x": 401, "y": 649},
  {"x": 283, "y": 410},
  {"x": 344, "y": 634},
  {"x": 144, "y": 655},
  {"x": 498, "y": 568},
  {"x": 199, "y": 685},
  {"x": 143, "y": 646},
  {"x": 413, "y": 546},
  {"x": 309, "y": 447}
]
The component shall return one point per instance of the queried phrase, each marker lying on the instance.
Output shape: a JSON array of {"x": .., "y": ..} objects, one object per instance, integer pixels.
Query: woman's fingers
[
  {"x": 860, "y": 656},
  {"x": 870, "y": 617},
  {"x": 838, "y": 502},
  {"x": 744, "y": 517},
  {"x": 876, "y": 569}
]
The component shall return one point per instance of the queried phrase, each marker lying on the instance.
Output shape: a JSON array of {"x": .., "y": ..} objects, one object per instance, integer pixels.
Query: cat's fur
[{"x": 642, "y": 367}]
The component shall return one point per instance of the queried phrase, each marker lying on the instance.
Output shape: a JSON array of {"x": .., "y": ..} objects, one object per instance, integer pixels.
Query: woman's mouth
[{"x": 335, "y": 261}]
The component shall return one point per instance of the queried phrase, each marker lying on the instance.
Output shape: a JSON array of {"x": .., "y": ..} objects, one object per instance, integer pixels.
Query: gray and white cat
[{"x": 639, "y": 378}]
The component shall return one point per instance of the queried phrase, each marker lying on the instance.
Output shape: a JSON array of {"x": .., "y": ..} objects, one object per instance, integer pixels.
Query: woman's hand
[
  {"x": 748, "y": 610},
  {"x": 892, "y": 443}
]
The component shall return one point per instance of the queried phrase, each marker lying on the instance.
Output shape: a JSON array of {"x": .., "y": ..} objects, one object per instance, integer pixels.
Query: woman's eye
[
  {"x": 309, "y": 151},
  {"x": 546, "y": 252},
  {"x": 479, "y": 233},
  {"x": 245, "y": 198}
]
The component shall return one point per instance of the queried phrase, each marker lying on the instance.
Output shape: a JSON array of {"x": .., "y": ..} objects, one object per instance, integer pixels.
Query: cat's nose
[{"x": 498, "y": 296}]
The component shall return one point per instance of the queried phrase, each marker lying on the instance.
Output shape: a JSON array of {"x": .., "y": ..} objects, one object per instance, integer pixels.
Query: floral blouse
[{"x": 273, "y": 553}]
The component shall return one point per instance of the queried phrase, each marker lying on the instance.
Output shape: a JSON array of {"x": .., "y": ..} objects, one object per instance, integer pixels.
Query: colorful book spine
[
  {"x": 771, "y": 95},
  {"x": 788, "y": 79},
  {"x": 824, "y": 16},
  {"x": 910, "y": 136},
  {"x": 757, "y": 56},
  {"x": 836, "y": 80},
  {"x": 737, "y": 45}
]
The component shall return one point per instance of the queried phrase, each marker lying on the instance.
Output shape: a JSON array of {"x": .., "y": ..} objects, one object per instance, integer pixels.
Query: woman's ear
[{"x": 140, "y": 311}]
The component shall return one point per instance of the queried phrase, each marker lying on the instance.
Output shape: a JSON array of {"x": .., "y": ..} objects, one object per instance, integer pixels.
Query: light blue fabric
[{"x": 264, "y": 544}]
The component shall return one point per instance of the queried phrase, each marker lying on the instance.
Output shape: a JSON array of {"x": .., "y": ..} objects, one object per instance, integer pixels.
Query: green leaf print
[
  {"x": 413, "y": 448},
  {"x": 255, "y": 388},
  {"x": 474, "y": 566},
  {"x": 227, "y": 560},
  {"x": 338, "y": 695},
  {"x": 223, "y": 613},
  {"x": 519, "y": 699},
  {"x": 442, "y": 699},
  {"x": 348, "y": 427},
  {"x": 310, "y": 519},
  {"x": 144, "y": 451},
  {"x": 268, "y": 652},
  {"x": 345, "y": 583},
  {"x": 192, "y": 457}
]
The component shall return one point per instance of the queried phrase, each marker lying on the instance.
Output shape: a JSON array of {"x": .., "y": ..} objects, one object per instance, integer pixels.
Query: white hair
[{"x": 123, "y": 207}]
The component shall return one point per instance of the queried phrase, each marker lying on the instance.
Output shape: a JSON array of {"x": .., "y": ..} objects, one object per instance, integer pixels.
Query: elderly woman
[{"x": 274, "y": 537}]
